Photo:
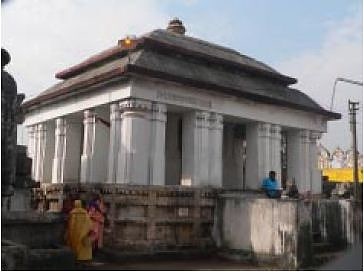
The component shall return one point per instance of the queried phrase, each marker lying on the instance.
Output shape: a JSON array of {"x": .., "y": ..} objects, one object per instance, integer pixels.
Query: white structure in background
[
  {"x": 338, "y": 159},
  {"x": 168, "y": 109}
]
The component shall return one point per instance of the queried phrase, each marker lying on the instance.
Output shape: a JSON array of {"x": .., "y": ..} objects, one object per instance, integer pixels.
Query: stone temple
[
  {"x": 169, "y": 109},
  {"x": 176, "y": 134}
]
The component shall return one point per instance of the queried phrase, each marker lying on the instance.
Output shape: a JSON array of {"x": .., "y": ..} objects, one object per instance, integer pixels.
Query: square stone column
[
  {"x": 135, "y": 142},
  {"x": 315, "y": 177},
  {"x": 39, "y": 150},
  {"x": 298, "y": 159},
  {"x": 195, "y": 149},
  {"x": 66, "y": 161},
  {"x": 47, "y": 151},
  {"x": 114, "y": 146},
  {"x": 158, "y": 144},
  {"x": 215, "y": 149},
  {"x": 43, "y": 148},
  {"x": 258, "y": 164},
  {"x": 275, "y": 151},
  {"x": 32, "y": 147},
  {"x": 94, "y": 159},
  {"x": 60, "y": 142}
]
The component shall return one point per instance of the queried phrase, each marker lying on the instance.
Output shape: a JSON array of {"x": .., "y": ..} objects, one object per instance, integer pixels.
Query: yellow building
[{"x": 341, "y": 174}]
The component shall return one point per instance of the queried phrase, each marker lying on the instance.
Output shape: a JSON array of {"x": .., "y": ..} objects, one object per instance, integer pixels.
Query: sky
[{"x": 312, "y": 40}]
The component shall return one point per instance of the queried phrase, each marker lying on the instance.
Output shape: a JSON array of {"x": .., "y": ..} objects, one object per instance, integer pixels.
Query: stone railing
[{"x": 145, "y": 218}]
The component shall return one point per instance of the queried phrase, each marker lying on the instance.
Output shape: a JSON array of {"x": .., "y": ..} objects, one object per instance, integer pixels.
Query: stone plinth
[
  {"x": 146, "y": 219},
  {"x": 266, "y": 230}
]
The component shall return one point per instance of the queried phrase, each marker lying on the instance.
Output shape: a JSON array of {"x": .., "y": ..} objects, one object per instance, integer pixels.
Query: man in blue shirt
[{"x": 270, "y": 186}]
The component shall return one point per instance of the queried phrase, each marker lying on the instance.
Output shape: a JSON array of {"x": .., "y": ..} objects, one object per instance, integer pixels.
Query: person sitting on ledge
[{"x": 270, "y": 186}]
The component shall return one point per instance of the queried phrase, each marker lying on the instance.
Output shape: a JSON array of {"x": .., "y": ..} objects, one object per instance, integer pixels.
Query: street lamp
[{"x": 356, "y": 82}]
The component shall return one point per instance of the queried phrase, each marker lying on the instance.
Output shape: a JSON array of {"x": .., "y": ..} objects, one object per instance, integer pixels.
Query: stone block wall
[
  {"x": 33, "y": 229},
  {"x": 145, "y": 219},
  {"x": 337, "y": 221},
  {"x": 265, "y": 230}
]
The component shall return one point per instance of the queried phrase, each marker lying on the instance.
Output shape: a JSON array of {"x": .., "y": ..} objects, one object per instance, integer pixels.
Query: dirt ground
[{"x": 206, "y": 263}]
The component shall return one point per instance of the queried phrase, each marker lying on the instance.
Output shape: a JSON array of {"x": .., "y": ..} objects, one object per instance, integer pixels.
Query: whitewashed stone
[
  {"x": 258, "y": 151},
  {"x": 115, "y": 123},
  {"x": 134, "y": 142},
  {"x": 157, "y": 151}
]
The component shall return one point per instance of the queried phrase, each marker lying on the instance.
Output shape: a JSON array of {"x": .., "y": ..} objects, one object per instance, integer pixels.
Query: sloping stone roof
[{"x": 179, "y": 58}]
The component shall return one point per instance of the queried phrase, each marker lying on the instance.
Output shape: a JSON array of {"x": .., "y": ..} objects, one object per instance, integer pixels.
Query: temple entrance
[{"x": 173, "y": 165}]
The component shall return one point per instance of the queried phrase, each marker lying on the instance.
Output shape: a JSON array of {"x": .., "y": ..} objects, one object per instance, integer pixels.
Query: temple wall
[
  {"x": 237, "y": 225},
  {"x": 254, "y": 227},
  {"x": 147, "y": 219},
  {"x": 35, "y": 230},
  {"x": 334, "y": 221}
]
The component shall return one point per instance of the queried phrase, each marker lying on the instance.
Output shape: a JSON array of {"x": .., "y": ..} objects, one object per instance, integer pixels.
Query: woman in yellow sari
[{"x": 78, "y": 232}]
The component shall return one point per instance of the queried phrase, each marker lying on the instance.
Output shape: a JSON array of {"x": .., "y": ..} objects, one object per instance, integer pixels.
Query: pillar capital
[
  {"x": 159, "y": 112},
  {"x": 315, "y": 135},
  {"x": 89, "y": 116},
  {"x": 264, "y": 129},
  {"x": 41, "y": 127},
  {"x": 115, "y": 111},
  {"x": 216, "y": 121},
  {"x": 135, "y": 104},
  {"x": 201, "y": 119}
]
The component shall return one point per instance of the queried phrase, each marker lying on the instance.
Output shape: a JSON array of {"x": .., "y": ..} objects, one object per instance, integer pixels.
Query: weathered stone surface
[
  {"x": 36, "y": 230},
  {"x": 147, "y": 218},
  {"x": 8, "y": 127},
  {"x": 14, "y": 256},
  {"x": 266, "y": 230},
  {"x": 334, "y": 221}
]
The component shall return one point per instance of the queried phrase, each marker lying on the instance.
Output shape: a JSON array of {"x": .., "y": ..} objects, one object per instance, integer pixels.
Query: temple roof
[{"x": 178, "y": 58}]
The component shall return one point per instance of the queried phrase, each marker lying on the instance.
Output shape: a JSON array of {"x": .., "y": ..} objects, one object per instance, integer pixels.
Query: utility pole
[{"x": 353, "y": 108}]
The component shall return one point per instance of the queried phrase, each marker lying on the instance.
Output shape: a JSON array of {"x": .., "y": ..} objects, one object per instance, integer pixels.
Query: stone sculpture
[{"x": 15, "y": 165}]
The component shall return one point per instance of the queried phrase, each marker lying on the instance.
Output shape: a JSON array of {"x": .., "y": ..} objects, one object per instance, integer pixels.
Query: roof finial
[{"x": 176, "y": 26}]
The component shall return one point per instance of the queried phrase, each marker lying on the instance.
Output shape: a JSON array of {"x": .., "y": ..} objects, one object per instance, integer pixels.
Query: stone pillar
[
  {"x": 298, "y": 159},
  {"x": 195, "y": 149},
  {"x": 158, "y": 136},
  {"x": 134, "y": 152},
  {"x": 66, "y": 161},
  {"x": 30, "y": 146},
  {"x": 94, "y": 157},
  {"x": 41, "y": 138},
  {"x": 60, "y": 142},
  {"x": 215, "y": 149},
  {"x": 315, "y": 176},
  {"x": 88, "y": 135},
  {"x": 275, "y": 151},
  {"x": 32, "y": 130},
  {"x": 258, "y": 156},
  {"x": 48, "y": 136},
  {"x": 115, "y": 129}
]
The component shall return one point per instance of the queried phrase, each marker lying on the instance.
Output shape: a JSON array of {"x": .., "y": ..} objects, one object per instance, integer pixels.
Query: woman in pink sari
[{"x": 96, "y": 212}]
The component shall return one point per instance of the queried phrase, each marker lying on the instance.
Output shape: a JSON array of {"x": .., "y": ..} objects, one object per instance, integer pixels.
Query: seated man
[{"x": 270, "y": 186}]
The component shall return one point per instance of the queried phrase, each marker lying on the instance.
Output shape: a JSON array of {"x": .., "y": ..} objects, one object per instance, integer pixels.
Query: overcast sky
[{"x": 312, "y": 40}]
